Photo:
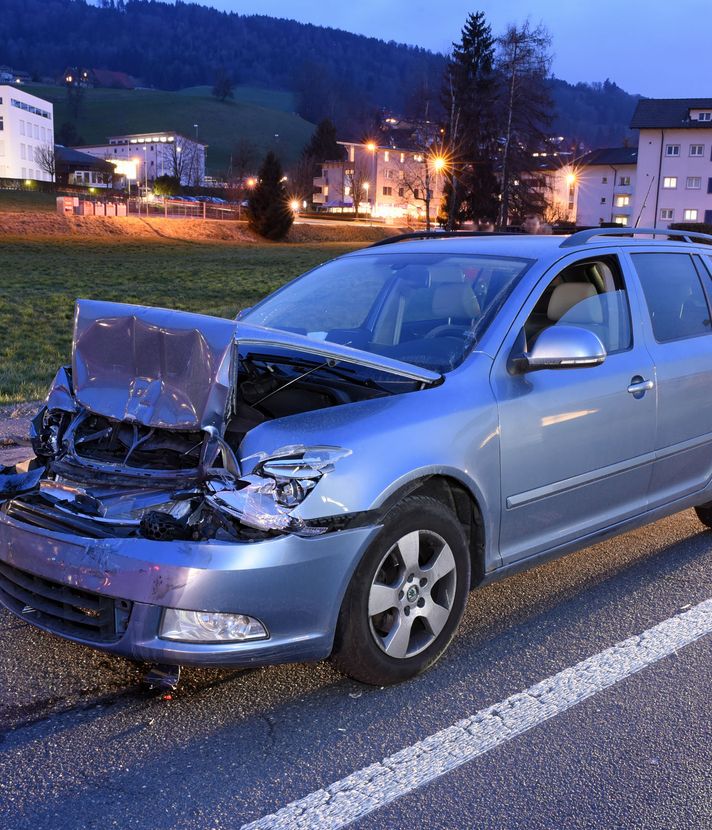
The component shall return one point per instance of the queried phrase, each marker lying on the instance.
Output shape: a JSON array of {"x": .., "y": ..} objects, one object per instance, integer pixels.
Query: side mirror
[{"x": 561, "y": 347}]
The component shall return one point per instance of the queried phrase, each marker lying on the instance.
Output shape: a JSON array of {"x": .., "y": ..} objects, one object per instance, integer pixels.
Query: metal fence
[{"x": 183, "y": 209}]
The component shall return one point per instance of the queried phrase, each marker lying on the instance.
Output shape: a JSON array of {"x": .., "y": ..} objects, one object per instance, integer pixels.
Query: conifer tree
[
  {"x": 469, "y": 96},
  {"x": 268, "y": 210}
]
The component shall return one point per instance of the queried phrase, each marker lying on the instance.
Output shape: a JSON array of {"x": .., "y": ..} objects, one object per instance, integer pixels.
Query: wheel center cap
[{"x": 412, "y": 593}]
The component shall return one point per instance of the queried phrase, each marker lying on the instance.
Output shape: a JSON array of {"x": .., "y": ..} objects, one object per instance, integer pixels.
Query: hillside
[
  {"x": 313, "y": 70},
  {"x": 222, "y": 125}
]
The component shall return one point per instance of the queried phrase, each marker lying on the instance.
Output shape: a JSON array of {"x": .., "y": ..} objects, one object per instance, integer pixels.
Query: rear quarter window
[{"x": 674, "y": 295}]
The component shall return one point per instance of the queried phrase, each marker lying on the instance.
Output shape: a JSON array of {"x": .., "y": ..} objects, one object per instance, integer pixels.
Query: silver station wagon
[{"x": 331, "y": 473}]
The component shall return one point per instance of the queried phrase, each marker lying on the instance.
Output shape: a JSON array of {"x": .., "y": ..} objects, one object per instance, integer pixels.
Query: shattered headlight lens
[
  {"x": 279, "y": 483},
  {"x": 210, "y": 627}
]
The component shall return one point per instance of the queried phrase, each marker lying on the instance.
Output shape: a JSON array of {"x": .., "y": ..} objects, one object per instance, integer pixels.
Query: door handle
[{"x": 639, "y": 386}]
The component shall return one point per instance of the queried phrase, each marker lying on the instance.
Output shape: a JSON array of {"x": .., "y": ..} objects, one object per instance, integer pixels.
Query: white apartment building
[
  {"x": 26, "y": 127},
  {"x": 674, "y": 161},
  {"x": 606, "y": 186},
  {"x": 392, "y": 182},
  {"x": 143, "y": 157}
]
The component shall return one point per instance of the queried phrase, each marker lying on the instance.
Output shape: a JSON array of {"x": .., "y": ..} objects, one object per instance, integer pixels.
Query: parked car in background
[{"x": 331, "y": 473}]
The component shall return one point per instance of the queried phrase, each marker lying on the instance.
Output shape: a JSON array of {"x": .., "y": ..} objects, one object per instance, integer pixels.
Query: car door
[
  {"x": 676, "y": 324},
  {"x": 576, "y": 443}
]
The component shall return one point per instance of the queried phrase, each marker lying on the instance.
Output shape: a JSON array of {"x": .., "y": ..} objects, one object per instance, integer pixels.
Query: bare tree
[
  {"x": 416, "y": 183},
  {"x": 357, "y": 179},
  {"x": 46, "y": 159},
  {"x": 243, "y": 160},
  {"x": 182, "y": 158},
  {"x": 523, "y": 62}
]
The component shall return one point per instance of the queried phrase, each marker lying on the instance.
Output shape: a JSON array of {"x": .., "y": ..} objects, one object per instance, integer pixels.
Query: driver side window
[{"x": 589, "y": 294}]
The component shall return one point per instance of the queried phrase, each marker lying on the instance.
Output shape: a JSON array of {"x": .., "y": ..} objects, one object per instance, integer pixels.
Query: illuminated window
[
  {"x": 620, "y": 220},
  {"x": 622, "y": 200},
  {"x": 670, "y": 182},
  {"x": 690, "y": 215}
]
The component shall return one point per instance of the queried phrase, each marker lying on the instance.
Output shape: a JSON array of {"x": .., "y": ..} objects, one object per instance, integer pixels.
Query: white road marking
[{"x": 374, "y": 786}]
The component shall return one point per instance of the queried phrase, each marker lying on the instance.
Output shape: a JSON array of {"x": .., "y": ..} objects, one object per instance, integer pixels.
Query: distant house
[
  {"x": 8, "y": 75},
  {"x": 98, "y": 78},
  {"x": 73, "y": 167},
  {"x": 389, "y": 182},
  {"x": 606, "y": 181},
  {"x": 674, "y": 153},
  {"x": 26, "y": 131},
  {"x": 143, "y": 157}
]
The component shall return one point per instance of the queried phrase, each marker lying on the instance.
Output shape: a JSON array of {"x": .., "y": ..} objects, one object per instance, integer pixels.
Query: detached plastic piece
[{"x": 162, "y": 677}]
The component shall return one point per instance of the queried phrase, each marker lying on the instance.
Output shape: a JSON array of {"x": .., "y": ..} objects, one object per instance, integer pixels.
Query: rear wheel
[{"x": 407, "y": 595}]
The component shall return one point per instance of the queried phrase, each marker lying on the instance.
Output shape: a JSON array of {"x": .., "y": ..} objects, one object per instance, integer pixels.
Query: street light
[
  {"x": 196, "y": 132},
  {"x": 294, "y": 205},
  {"x": 371, "y": 146}
]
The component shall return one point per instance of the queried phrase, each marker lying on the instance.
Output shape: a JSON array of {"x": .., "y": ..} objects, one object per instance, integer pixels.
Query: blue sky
[{"x": 660, "y": 48}]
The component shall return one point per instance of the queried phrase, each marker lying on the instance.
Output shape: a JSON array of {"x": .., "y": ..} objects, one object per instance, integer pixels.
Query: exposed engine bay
[{"x": 141, "y": 435}]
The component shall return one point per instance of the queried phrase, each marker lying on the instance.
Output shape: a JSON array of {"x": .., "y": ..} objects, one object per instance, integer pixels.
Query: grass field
[
  {"x": 39, "y": 282},
  {"x": 254, "y": 115},
  {"x": 27, "y": 200}
]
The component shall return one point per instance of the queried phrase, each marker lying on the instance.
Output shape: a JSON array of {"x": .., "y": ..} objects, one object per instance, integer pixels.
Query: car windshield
[{"x": 424, "y": 309}]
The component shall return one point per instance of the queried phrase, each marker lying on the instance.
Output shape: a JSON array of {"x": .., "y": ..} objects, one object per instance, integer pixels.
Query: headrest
[
  {"x": 455, "y": 299},
  {"x": 566, "y": 296}
]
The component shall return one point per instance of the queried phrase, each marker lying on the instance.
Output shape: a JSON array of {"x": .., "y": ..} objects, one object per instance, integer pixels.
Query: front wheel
[
  {"x": 407, "y": 596},
  {"x": 704, "y": 513}
]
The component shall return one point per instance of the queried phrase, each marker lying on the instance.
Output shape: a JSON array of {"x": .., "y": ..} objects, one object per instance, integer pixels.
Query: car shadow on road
[{"x": 265, "y": 736}]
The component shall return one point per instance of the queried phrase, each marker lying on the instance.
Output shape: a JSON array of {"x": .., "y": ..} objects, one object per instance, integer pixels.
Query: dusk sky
[{"x": 658, "y": 48}]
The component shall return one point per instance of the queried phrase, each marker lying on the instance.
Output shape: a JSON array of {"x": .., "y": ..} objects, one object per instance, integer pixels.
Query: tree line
[{"x": 334, "y": 74}]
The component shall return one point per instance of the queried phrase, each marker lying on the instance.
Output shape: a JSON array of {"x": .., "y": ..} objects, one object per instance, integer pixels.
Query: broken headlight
[{"x": 278, "y": 484}]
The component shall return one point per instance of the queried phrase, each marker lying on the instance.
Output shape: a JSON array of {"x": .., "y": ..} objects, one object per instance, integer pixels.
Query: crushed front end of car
[{"x": 138, "y": 529}]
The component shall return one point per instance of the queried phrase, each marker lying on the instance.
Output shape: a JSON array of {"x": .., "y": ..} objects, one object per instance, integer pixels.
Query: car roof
[{"x": 526, "y": 246}]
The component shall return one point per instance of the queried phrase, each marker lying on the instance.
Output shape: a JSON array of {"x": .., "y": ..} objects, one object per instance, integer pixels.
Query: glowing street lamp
[
  {"x": 439, "y": 164},
  {"x": 571, "y": 179},
  {"x": 251, "y": 183},
  {"x": 294, "y": 205}
]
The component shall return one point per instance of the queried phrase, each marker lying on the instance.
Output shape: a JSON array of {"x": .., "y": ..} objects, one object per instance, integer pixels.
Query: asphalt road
[{"x": 81, "y": 746}]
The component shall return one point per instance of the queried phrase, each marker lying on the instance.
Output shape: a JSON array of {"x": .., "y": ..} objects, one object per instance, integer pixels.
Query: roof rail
[
  {"x": 581, "y": 237},
  {"x": 405, "y": 237}
]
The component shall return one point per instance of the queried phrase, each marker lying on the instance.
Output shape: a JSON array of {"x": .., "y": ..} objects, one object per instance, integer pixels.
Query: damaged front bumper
[{"x": 111, "y": 593}]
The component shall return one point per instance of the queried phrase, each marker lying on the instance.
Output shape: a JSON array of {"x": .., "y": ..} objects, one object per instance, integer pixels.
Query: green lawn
[
  {"x": 39, "y": 283},
  {"x": 254, "y": 115},
  {"x": 27, "y": 200}
]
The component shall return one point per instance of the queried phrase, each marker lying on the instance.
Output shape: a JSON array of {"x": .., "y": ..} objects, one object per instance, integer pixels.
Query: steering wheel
[{"x": 444, "y": 330}]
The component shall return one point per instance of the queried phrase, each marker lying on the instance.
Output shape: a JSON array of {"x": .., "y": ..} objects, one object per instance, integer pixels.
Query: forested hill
[{"x": 334, "y": 73}]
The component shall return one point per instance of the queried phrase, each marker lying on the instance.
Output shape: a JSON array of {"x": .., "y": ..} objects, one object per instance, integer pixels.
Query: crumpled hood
[
  {"x": 174, "y": 369},
  {"x": 161, "y": 368}
]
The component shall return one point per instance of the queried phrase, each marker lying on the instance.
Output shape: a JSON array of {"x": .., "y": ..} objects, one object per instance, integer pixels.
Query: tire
[
  {"x": 396, "y": 620},
  {"x": 704, "y": 513}
]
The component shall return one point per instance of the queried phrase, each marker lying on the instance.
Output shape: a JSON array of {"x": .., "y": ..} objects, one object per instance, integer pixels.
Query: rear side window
[{"x": 674, "y": 295}]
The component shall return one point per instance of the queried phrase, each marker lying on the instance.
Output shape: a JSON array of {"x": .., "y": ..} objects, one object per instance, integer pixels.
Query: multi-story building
[
  {"x": 605, "y": 186},
  {"x": 382, "y": 181},
  {"x": 26, "y": 135},
  {"x": 674, "y": 161},
  {"x": 143, "y": 157}
]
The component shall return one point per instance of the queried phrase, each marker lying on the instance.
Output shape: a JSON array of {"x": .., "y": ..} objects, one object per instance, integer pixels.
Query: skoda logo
[{"x": 412, "y": 594}]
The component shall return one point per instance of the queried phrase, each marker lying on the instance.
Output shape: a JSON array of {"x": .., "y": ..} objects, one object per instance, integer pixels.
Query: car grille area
[{"x": 62, "y": 608}]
